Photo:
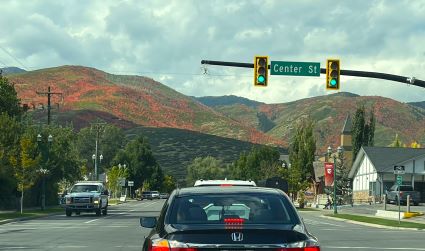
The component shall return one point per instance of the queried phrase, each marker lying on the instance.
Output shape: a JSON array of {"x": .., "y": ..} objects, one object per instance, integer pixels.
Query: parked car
[
  {"x": 404, "y": 190},
  {"x": 164, "y": 195},
  {"x": 228, "y": 218}
]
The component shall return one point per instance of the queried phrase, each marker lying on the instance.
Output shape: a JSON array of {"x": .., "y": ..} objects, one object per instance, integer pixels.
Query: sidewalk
[{"x": 370, "y": 210}]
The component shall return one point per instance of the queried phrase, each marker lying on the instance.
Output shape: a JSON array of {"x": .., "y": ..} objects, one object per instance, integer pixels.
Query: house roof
[{"x": 384, "y": 158}]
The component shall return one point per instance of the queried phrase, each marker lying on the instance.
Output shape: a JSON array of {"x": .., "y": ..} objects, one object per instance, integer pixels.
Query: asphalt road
[
  {"x": 119, "y": 230},
  {"x": 338, "y": 235}
]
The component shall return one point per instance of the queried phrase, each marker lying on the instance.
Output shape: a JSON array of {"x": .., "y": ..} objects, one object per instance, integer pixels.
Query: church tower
[{"x": 346, "y": 141}]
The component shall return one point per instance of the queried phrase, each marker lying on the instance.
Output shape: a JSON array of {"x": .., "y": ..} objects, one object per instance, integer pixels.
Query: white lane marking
[
  {"x": 373, "y": 248},
  {"x": 72, "y": 246},
  {"x": 90, "y": 221}
]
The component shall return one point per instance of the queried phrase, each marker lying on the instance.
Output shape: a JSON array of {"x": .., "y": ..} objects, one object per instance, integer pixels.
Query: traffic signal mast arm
[{"x": 365, "y": 74}]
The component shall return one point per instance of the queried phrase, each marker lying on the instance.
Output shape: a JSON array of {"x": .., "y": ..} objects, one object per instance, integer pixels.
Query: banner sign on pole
[{"x": 329, "y": 174}]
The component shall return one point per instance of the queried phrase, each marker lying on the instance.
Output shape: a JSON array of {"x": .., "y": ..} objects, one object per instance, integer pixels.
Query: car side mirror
[
  {"x": 148, "y": 222},
  {"x": 105, "y": 192}
]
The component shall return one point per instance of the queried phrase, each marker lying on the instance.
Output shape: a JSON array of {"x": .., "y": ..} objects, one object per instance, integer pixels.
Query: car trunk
[{"x": 232, "y": 236}]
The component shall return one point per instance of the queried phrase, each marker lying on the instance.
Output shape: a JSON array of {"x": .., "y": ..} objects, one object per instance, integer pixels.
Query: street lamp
[
  {"x": 339, "y": 151},
  {"x": 44, "y": 171},
  {"x": 94, "y": 164}
]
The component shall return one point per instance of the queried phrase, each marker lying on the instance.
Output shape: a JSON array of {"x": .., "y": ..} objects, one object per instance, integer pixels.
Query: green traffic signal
[
  {"x": 332, "y": 74},
  {"x": 260, "y": 70},
  {"x": 261, "y": 79}
]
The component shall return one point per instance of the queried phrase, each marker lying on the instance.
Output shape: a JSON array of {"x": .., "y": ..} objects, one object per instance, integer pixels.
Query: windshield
[
  {"x": 219, "y": 209},
  {"x": 85, "y": 188}
]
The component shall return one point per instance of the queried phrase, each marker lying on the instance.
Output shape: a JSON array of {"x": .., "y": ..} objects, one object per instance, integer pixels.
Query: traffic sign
[
  {"x": 399, "y": 170},
  {"x": 399, "y": 180},
  {"x": 121, "y": 181},
  {"x": 295, "y": 68},
  {"x": 130, "y": 183}
]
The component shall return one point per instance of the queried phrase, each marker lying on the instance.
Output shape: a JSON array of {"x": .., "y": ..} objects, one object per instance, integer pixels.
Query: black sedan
[{"x": 228, "y": 218}]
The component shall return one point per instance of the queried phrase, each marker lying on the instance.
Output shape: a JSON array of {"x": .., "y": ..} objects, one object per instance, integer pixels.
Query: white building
[{"x": 373, "y": 171}]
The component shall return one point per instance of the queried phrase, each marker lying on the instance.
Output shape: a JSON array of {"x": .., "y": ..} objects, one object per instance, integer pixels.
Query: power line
[{"x": 19, "y": 62}]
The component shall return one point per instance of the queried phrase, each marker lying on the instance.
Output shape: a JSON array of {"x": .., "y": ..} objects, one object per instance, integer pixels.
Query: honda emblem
[{"x": 237, "y": 236}]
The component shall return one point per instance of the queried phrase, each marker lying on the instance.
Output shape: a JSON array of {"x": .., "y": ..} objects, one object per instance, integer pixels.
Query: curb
[
  {"x": 2, "y": 222},
  {"x": 371, "y": 224}
]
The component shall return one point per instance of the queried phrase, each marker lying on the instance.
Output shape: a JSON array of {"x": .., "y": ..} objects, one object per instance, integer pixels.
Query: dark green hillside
[{"x": 175, "y": 148}]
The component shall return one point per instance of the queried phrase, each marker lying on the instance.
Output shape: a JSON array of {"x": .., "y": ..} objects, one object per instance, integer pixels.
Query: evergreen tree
[
  {"x": 362, "y": 133},
  {"x": 9, "y": 101}
]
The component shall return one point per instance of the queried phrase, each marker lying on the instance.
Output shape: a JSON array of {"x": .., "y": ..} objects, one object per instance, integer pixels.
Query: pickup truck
[
  {"x": 87, "y": 196},
  {"x": 404, "y": 190}
]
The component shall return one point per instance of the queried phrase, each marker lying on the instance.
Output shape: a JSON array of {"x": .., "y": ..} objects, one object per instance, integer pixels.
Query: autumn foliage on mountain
[{"x": 139, "y": 100}]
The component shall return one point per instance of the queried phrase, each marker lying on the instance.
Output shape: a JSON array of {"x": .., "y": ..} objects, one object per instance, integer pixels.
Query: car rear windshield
[{"x": 232, "y": 208}]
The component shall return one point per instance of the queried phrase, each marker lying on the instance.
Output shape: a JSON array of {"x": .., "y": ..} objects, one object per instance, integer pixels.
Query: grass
[
  {"x": 29, "y": 213},
  {"x": 307, "y": 209},
  {"x": 379, "y": 221}
]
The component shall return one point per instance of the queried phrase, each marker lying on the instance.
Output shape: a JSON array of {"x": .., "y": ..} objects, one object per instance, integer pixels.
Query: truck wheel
[
  {"x": 105, "y": 211},
  {"x": 68, "y": 212}
]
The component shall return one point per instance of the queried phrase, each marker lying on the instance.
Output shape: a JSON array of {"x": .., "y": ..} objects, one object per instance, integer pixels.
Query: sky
[{"x": 166, "y": 40}]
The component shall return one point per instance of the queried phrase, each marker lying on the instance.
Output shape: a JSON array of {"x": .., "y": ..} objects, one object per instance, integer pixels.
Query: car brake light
[
  {"x": 165, "y": 245},
  {"x": 226, "y": 185},
  {"x": 300, "y": 249},
  {"x": 234, "y": 220}
]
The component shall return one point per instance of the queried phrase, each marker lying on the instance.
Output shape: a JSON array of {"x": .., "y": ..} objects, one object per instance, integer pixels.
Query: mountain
[
  {"x": 139, "y": 100},
  {"x": 227, "y": 100},
  {"x": 11, "y": 70},
  {"x": 418, "y": 104},
  {"x": 329, "y": 112}
]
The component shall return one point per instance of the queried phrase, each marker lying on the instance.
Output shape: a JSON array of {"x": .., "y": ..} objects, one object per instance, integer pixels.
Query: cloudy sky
[{"x": 166, "y": 40}]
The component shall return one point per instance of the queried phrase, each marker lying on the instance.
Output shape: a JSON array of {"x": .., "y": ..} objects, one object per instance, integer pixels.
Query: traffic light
[
  {"x": 332, "y": 74},
  {"x": 261, "y": 71}
]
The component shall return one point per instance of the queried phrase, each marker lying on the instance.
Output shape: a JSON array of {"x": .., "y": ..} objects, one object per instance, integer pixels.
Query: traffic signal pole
[{"x": 365, "y": 74}]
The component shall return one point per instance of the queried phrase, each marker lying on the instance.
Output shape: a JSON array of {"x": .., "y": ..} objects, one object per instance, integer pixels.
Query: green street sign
[
  {"x": 399, "y": 179},
  {"x": 295, "y": 68}
]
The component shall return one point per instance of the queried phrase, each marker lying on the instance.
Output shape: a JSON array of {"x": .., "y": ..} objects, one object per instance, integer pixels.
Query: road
[
  {"x": 338, "y": 235},
  {"x": 120, "y": 230}
]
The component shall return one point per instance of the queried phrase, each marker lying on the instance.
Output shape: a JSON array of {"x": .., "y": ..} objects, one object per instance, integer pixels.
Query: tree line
[{"x": 31, "y": 152}]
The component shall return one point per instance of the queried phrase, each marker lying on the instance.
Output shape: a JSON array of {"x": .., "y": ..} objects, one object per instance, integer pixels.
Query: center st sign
[{"x": 295, "y": 68}]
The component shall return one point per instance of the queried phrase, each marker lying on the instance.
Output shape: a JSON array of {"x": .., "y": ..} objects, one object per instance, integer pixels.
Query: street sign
[
  {"x": 295, "y": 68},
  {"x": 130, "y": 183},
  {"x": 121, "y": 181},
  {"x": 399, "y": 170},
  {"x": 399, "y": 180}
]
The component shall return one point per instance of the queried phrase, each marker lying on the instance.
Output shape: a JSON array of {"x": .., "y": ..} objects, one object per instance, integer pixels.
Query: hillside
[
  {"x": 11, "y": 70},
  {"x": 329, "y": 112},
  {"x": 418, "y": 104},
  {"x": 213, "y": 101},
  {"x": 136, "y": 99},
  {"x": 173, "y": 148}
]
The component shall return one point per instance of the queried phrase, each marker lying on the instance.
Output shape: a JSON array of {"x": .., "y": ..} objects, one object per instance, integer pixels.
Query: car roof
[
  {"x": 226, "y": 189},
  {"x": 89, "y": 183},
  {"x": 224, "y": 182}
]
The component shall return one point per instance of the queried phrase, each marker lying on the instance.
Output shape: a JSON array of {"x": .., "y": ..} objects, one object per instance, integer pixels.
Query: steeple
[{"x": 346, "y": 134}]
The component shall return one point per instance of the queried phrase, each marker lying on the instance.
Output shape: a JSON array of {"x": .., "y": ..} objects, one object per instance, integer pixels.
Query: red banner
[{"x": 329, "y": 174}]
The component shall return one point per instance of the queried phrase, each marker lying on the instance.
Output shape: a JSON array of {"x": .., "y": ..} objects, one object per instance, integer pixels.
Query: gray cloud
[{"x": 166, "y": 40}]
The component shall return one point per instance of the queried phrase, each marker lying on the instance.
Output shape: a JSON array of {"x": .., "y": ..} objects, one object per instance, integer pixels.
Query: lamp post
[
  {"x": 339, "y": 151},
  {"x": 44, "y": 171},
  {"x": 93, "y": 157}
]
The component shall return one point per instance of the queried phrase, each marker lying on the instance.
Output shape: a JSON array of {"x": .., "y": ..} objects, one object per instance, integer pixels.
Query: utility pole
[
  {"x": 49, "y": 94},
  {"x": 98, "y": 126}
]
